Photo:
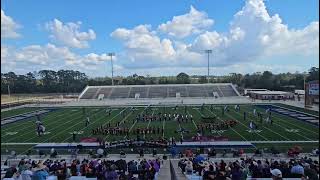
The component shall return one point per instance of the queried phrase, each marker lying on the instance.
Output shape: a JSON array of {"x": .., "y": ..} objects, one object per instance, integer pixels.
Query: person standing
[
  {"x": 74, "y": 136},
  {"x": 87, "y": 121}
]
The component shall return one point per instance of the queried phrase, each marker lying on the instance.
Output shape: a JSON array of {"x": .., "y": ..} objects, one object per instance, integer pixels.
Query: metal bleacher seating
[
  {"x": 120, "y": 92},
  {"x": 90, "y": 93},
  {"x": 141, "y": 90},
  {"x": 227, "y": 90},
  {"x": 197, "y": 91},
  {"x": 160, "y": 91},
  {"x": 177, "y": 89}
]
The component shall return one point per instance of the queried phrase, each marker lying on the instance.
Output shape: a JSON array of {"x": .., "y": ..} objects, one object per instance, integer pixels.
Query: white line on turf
[
  {"x": 284, "y": 127},
  {"x": 246, "y": 126},
  {"x": 95, "y": 122},
  {"x": 49, "y": 123},
  {"x": 270, "y": 130},
  {"x": 230, "y": 127},
  {"x": 201, "y": 115},
  {"x": 24, "y": 123},
  {"x": 54, "y": 135},
  {"x": 120, "y": 123},
  {"x": 135, "y": 121},
  {"x": 58, "y": 127},
  {"x": 316, "y": 133},
  {"x": 144, "y": 136}
]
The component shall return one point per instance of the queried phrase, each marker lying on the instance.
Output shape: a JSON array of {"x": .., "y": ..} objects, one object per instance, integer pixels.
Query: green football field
[{"x": 61, "y": 123}]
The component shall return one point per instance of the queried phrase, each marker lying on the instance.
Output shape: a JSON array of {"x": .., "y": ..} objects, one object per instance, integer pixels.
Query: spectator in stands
[
  {"x": 276, "y": 174},
  {"x": 236, "y": 173},
  {"x": 310, "y": 173},
  {"x": 210, "y": 174},
  {"x": 10, "y": 171},
  {"x": 110, "y": 173},
  {"x": 152, "y": 171},
  {"x": 189, "y": 167},
  {"x": 27, "y": 174},
  {"x": 297, "y": 170},
  {"x": 132, "y": 167},
  {"x": 40, "y": 172}
]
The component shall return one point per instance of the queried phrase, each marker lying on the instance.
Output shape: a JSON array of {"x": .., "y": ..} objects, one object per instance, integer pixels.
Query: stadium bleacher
[{"x": 160, "y": 91}]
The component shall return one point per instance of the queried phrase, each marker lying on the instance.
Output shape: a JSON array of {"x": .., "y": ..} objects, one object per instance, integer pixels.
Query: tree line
[{"x": 70, "y": 81}]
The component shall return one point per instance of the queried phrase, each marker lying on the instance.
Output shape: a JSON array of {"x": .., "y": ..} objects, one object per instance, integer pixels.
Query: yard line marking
[
  {"x": 201, "y": 115},
  {"x": 54, "y": 135},
  {"x": 280, "y": 125},
  {"x": 136, "y": 121},
  {"x": 316, "y": 133},
  {"x": 245, "y": 125},
  {"x": 230, "y": 127},
  {"x": 284, "y": 127},
  {"x": 97, "y": 121},
  {"x": 46, "y": 140},
  {"x": 50, "y": 123},
  {"x": 268, "y": 128},
  {"x": 26, "y": 122},
  {"x": 120, "y": 123},
  {"x": 144, "y": 136},
  {"x": 195, "y": 125}
]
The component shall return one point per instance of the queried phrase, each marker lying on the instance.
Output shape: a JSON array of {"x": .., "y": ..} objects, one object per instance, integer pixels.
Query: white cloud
[
  {"x": 255, "y": 34},
  {"x": 182, "y": 26},
  {"x": 69, "y": 34},
  {"x": 253, "y": 39},
  {"x": 8, "y": 27},
  {"x": 242, "y": 68},
  {"x": 49, "y": 56},
  {"x": 141, "y": 44}
]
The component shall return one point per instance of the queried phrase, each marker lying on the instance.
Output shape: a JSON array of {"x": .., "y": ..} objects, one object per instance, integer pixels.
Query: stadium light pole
[
  {"x": 9, "y": 91},
  {"x": 208, "y": 51},
  {"x": 111, "y": 54},
  {"x": 304, "y": 89}
]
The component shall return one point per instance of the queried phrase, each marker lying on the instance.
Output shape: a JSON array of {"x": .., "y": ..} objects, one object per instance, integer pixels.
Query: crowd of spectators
[
  {"x": 249, "y": 167},
  {"x": 101, "y": 169}
]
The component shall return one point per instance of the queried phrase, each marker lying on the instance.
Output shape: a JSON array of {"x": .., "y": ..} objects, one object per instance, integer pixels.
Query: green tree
[
  {"x": 313, "y": 74},
  {"x": 183, "y": 78}
]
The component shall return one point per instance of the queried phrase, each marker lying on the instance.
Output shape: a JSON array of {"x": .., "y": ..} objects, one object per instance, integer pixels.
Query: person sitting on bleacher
[
  {"x": 40, "y": 172},
  {"x": 132, "y": 167},
  {"x": 189, "y": 167},
  {"x": 110, "y": 173},
  {"x": 212, "y": 153},
  {"x": 10, "y": 171},
  {"x": 297, "y": 170}
]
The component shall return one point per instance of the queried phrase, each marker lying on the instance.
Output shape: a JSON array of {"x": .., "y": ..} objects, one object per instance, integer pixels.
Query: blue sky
[{"x": 159, "y": 37}]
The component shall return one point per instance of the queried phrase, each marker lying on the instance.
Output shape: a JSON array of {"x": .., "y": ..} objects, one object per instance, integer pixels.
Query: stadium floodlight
[
  {"x": 111, "y": 54},
  {"x": 208, "y": 51}
]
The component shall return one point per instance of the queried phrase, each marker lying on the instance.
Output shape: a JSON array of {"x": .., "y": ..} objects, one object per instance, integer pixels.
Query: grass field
[
  {"x": 13, "y": 112},
  {"x": 62, "y": 122}
]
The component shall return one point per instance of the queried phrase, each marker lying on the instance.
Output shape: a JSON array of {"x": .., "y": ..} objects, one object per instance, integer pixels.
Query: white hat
[{"x": 276, "y": 172}]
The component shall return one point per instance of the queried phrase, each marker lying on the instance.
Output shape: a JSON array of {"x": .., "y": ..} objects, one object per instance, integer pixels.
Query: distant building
[
  {"x": 247, "y": 91},
  {"x": 299, "y": 92},
  {"x": 271, "y": 95}
]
